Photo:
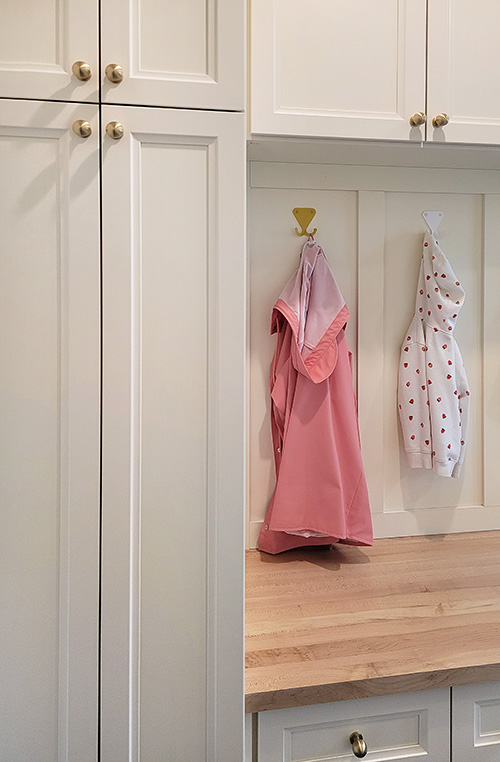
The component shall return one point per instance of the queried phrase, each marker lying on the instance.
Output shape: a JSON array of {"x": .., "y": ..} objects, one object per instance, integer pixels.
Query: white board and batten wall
[{"x": 370, "y": 224}]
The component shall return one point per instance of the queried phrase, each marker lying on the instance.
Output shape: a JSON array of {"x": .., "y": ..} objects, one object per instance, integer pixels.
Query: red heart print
[
  {"x": 436, "y": 290},
  {"x": 445, "y": 346},
  {"x": 448, "y": 376},
  {"x": 439, "y": 399},
  {"x": 423, "y": 388},
  {"x": 443, "y": 275},
  {"x": 435, "y": 275},
  {"x": 440, "y": 306},
  {"x": 406, "y": 349},
  {"x": 412, "y": 436},
  {"x": 407, "y": 383},
  {"x": 429, "y": 364},
  {"x": 421, "y": 291},
  {"x": 410, "y": 417},
  {"x": 428, "y": 312},
  {"x": 442, "y": 431},
  {"x": 443, "y": 415},
  {"x": 412, "y": 401},
  {"x": 405, "y": 364},
  {"x": 450, "y": 362},
  {"x": 429, "y": 381},
  {"x": 427, "y": 442},
  {"x": 457, "y": 283},
  {"x": 449, "y": 447},
  {"x": 418, "y": 370}
]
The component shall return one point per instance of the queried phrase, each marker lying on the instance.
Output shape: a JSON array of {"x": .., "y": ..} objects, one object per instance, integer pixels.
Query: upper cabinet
[
  {"x": 464, "y": 76},
  {"x": 49, "y": 50},
  {"x": 183, "y": 55},
  {"x": 382, "y": 70},
  {"x": 186, "y": 54}
]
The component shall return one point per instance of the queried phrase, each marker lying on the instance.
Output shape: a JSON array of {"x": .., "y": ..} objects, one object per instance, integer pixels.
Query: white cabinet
[
  {"x": 476, "y": 723},
  {"x": 463, "y": 73},
  {"x": 39, "y": 43},
  {"x": 50, "y": 419},
  {"x": 173, "y": 295},
  {"x": 185, "y": 54},
  {"x": 397, "y": 728},
  {"x": 360, "y": 70}
]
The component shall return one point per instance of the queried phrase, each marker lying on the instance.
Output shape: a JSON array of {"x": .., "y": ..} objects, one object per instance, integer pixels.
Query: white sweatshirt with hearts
[{"x": 433, "y": 392}]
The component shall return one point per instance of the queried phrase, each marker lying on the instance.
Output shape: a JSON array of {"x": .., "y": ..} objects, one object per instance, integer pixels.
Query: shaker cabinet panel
[
  {"x": 186, "y": 54},
  {"x": 476, "y": 722},
  {"x": 172, "y": 589},
  {"x": 342, "y": 69},
  {"x": 463, "y": 75},
  {"x": 39, "y": 43},
  {"x": 49, "y": 434}
]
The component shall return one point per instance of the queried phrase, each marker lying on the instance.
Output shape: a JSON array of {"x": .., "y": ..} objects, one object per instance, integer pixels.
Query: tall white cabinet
[
  {"x": 122, "y": 337},
  {"x": 173, "y": 280},
  {"x": 50, "y": 420}
]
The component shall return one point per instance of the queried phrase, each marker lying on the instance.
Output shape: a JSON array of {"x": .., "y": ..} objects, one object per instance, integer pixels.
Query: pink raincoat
[{"x": 321, "y": 495}]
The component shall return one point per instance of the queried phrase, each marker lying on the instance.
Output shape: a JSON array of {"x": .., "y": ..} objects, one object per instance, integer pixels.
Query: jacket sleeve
[
  {"x": 413, "y": 401},
  {"x": 463, "y": 410}
]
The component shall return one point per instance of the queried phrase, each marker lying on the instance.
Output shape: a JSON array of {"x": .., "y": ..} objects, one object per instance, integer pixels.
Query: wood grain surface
[{"x": 329, "y": 624}]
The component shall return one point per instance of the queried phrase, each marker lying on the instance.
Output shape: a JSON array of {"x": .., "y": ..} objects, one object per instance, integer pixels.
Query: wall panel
[{"x": 370, "y": 225}]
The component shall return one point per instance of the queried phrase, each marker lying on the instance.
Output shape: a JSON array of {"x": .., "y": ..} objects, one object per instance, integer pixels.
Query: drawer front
[
  {"x": 402, "y": 727},
  {"x": 475, "y": 723}
]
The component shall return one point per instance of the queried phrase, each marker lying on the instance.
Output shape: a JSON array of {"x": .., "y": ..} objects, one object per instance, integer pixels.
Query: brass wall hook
[{"x": 304, "y": 217}]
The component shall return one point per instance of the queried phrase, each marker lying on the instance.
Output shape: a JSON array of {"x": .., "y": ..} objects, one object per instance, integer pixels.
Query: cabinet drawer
[
  {"x": 402, "y": 727},
  {"x": 475, "y": 722}
]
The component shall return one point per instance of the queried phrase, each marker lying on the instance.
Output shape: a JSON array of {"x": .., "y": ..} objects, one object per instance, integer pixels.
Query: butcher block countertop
[{"x": 328, "y": 624}]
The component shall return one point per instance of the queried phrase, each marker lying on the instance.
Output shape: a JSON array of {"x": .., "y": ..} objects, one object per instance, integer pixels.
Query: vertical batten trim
[
  {"x": 135, "y": 453},
  {"x": 371, "y": 235},
  {"x": 63, "y": 477},
  {"x": 491, "y": 360},
  {"x": 212, "y": 446}
]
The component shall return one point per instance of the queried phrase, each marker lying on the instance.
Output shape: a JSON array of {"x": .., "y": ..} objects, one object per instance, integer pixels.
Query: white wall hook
[{"x": 433, "y": 220}]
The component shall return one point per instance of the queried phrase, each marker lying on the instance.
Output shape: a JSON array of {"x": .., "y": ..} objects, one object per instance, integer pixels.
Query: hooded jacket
[
  {"x": 433, "y": 392},
  {"x": 321, "y": 495}
]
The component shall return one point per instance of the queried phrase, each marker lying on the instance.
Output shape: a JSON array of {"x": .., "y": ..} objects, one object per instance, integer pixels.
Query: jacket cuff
[{"x": 419, "y": 459}]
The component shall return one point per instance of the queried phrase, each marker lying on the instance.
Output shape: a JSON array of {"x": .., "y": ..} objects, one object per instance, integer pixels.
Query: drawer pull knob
[
  {"x": 359, "y": 747},
  {"x": 418, "y": 119},
  {"x": 441, "y": 120},
  {"x": 82, "y": 71},
  {"x": 114, "y": 72}
]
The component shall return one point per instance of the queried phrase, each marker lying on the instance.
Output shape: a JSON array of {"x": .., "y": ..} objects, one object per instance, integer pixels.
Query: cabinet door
[
  {"x": 187, "y": 54},
  {"x": 49, "y": 433},
  {"x": 39, "y": 43},
  {"x": 338, "y": 69},
  {"x": 410, "y": 726},
  {"x": 475, "y": 722},
  {"x": 172, "y": 589},
  {"x": 464, "y": 76}
]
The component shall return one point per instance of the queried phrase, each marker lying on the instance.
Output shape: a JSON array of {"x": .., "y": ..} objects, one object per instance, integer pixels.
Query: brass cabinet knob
[
  {"x": 359, "y": 747},
  {"x": 115, "y": 130},
  {"x": 418, "y": 119},
  {"x": 82, "y": 71},
  {"x": 441, "y": 120},
  {"x": 82, "y": 128},
  {"x": 114, "y": 73}
]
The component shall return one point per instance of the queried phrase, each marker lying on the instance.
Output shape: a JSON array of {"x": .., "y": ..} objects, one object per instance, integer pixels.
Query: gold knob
[
  {"x": 82, "y": 71},
  {"x": 115, "y": 130},
  {"x": 359, "y": 747},
  {"x": 82, "y": 128},
  {"x": 114, "y": 73},
  {"x": 441, "y": 120},
  {"x": 418, "y": 119}
]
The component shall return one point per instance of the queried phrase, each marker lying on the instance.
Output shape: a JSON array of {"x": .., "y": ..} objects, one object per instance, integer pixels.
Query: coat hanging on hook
[
  {"x": 433, "y": 391},
  {"x": 321, "y": 495}
]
